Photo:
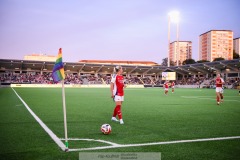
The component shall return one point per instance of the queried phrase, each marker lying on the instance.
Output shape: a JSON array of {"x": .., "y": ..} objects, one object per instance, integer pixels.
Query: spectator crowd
[{"x": 46, "y": 78}]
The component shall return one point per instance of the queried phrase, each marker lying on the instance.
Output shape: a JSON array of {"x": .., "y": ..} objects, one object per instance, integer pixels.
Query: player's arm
[
  {"x": 111, "y": 89},
  {"x": 219, "y": 83},
  {"x": 113, "y": 80},
  {"x": 223, "y": 82},
  {"x": 125, "y": 84}
]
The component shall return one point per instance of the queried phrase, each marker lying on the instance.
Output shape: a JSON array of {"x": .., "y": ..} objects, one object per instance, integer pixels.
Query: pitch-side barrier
[{"x": 71, "y": 86}]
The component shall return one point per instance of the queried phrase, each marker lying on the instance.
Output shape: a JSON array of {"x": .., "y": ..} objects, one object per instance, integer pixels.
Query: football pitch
[{"x": 187, "y": 124}]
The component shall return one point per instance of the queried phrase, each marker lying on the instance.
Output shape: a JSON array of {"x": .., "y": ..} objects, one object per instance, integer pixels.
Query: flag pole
[
  {"x": 58, "y": 75},
  {"x": 64, "y": 115}
]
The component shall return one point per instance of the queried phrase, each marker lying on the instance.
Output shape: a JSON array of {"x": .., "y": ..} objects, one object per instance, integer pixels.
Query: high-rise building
[
  {"x": 185, "y": 51},
  {"x": 216, "y": 44},
  {"x": 236, "y": 45}
]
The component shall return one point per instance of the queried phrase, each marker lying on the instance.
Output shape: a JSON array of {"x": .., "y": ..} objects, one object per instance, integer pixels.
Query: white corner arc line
[
  {"x": 43, "y": 125},
  {"x": 96, "y": 140},
  {"x": 77, "y": 139},
  {"x": 155, "y": 143},
  {"x": 111, "y": 143}
]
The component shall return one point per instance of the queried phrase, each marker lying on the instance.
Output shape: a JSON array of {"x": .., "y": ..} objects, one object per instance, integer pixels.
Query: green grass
[{"x": 149, "y": 116}]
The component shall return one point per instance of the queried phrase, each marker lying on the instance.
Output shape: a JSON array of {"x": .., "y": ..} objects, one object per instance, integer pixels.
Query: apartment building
[
  {"x": 215, "y": 44},
  {"x": 236, "y": 45},
  {"x": 185, "y": 51}
]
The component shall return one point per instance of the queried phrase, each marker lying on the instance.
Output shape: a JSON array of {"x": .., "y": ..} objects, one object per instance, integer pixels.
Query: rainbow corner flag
[{"x": 58, "y": 69}]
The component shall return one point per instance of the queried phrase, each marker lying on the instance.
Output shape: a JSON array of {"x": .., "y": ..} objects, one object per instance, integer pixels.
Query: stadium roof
[
  {"x": 92, "y": 68},
  {"x": 145, "y": 63}
]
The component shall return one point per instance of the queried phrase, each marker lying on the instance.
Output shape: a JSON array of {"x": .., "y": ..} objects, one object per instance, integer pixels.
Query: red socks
[
  {"x": 218, "y": 99},
  {"x": 117, "y": 111}
]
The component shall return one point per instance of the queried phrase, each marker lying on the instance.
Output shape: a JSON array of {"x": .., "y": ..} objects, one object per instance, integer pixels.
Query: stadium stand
[{"x": 87, "y": 72}]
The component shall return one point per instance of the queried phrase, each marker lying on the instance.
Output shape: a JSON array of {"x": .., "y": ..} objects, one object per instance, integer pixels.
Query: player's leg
[
  {"x": 118, "y": 106},
  {"x": 218, "y": 96},
  {"x": 121, "y": 120},
  {"x": 115, "y": 114},
  {"x": 120, "y": 110},
  {"x": 117, "y": 111},
  {"x": 120, "y": 115},
  {"x": 166, "y": 91},
  {"x": 172, "y": 89},
  {"x": 221, "y": 94}
]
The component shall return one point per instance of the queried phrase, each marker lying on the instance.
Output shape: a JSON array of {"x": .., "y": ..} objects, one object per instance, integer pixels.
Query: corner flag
[
  {"x": 58, "y": 69},
  {"x": 58, "y": 75}
]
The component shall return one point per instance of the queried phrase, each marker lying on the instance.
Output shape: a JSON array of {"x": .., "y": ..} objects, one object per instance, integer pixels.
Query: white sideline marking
[
  {"x": 44, "y": 126},
  {"x": 155, "y": 143},
  {"x": 97, "y": 140}
]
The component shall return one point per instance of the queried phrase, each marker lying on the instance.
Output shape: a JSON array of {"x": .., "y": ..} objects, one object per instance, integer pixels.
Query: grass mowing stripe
[
  {"x": 198, "y": 97},
  {"x": 44, "y": 126}
]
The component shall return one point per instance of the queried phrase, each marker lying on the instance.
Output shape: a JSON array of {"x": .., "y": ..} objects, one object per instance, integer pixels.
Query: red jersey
[
  {"x": 219, "y": 82},
  {"x": 173, "y": 84},
  {"x": 118, "y": 82},
  {"x": 165, "y": 85}
]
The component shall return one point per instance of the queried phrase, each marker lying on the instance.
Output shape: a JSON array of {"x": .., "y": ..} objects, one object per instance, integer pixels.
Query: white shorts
[
  {"x": 219, "y": 89},
  {"x": 166, "y": 89},
  {"x": 172, "y": 86},
  {"x": 222, "y": 91},
  {"x": 118, "y": 98}
]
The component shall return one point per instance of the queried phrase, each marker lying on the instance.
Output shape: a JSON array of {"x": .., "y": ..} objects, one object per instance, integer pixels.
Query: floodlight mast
[{"x": 173, "y": 17}]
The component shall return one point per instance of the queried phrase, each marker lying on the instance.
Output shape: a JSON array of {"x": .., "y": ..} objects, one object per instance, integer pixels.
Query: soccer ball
[{"x": 106, "y": 129}]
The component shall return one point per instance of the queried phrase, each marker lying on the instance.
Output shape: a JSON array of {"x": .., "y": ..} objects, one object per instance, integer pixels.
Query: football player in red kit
[
  {"x": 117, "y": 93},
  {"x": 219, "y": 89},
  {"x": 172, "y": 85},
  {"x": 166, "y": 87}
]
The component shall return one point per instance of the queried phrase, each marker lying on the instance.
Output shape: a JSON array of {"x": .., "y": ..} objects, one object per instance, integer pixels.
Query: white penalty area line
[
  {"x": 154, "y": 143},
  {"x": 43, "y": 125}
]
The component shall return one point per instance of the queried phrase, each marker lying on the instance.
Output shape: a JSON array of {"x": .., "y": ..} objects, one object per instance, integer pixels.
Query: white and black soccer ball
[{"x": 106, "y": 129}]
